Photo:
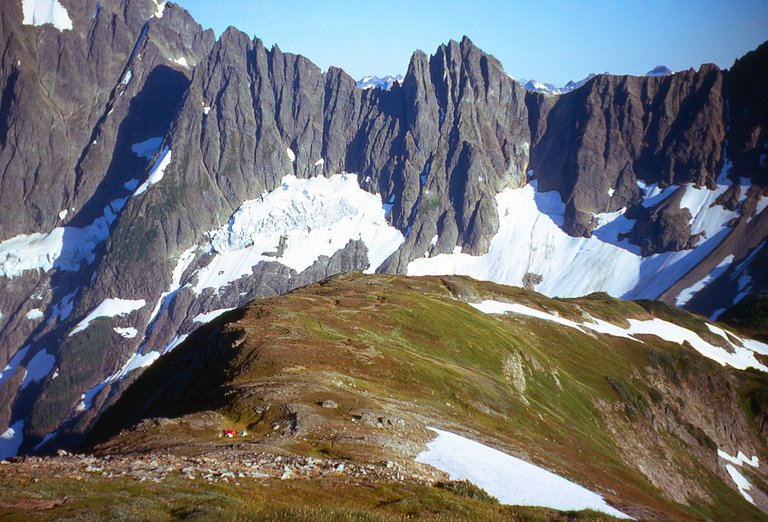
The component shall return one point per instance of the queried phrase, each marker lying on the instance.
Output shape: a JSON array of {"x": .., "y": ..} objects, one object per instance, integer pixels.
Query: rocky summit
[{"x": 154, "y": 177}]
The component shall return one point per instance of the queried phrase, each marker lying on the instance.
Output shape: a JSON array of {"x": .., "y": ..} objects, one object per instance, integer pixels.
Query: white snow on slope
[
  {"x": 64, "y": 248},
  {"x": 500, "y": 307},
  {"x": 41, "y": 12},
  {"x": 63, "y": 309},
  {"x": 530, "y": 239},
  {"x": 210, "y": 316},
  {"x": 38, "y": 367},
  {"x": 11, "y": 440},
  {"x": 291, "y": 154},
  {"x": 128, "y": 332},
  {"x": 317, "y": 216},
  {"x": 177, "y": 340},
  {"x": 185, "y": 258},
  {"x": 739, "y": 459},
  {"x": 109, "y": 308},
  {"x": 511, "y": 480},
  {"x": 13, "y": 364},
  {"x": 146, "y": 149},
  {"x": 741, "y": 357},
  {"x": 653, "y": 194},
  {"x": 157, "y": 172},
  {"x": 741, "y": 482},
  {"x": 134, "y": 363},
  {"x": 687, "y": 294},
  {"x": 182, "y": 61},
  {"x": 35, "y": 314},
  {"x": 160, "y": 9}
]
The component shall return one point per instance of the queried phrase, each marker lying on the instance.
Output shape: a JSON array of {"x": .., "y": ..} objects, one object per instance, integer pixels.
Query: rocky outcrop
[{"x": 593, "y": 145}]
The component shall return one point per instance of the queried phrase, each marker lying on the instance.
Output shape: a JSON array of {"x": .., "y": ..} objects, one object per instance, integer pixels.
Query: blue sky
[{"x": 548, "y": 40}]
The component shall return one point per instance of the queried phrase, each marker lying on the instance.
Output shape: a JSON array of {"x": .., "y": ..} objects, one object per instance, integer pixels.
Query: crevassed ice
[
  {"x": 309, "y": 218},
  {"x": 41, "y": 12}
]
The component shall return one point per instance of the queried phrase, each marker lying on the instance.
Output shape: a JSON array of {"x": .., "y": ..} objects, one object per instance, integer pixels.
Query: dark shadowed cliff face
[
  {"x": 151, "y": 177},
  {"x": 618, "y": 130}
]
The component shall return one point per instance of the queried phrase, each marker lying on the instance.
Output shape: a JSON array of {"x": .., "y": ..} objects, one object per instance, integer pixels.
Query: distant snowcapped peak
[
  {"x": 549, "y": 88},
  {"x": 374, "y": 82},
  {"x": 659, "y": 70}
]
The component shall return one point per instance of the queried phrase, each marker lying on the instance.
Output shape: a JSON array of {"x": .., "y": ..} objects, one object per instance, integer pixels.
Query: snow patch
[
  {"x": 109, "y": 308},
  {"x": 63, "y": 308},
  {"x": 128, "y": 333},
  {"x": 35, "y": 314},
  {"x": 320, "y": 162},
  {"x": 291, "y": 154},
  {"x": 166, "y": 297},
  {"x": 741, "y": 482},
  {"x": 210, "y": 316},
  {"x": 137, "y": 361},
  {"x": 177, "y": 340},
  {"x": 182, "y": 61},
  {"x": 739, "y": 459},
  {"x": 146, "y": 149},
  {"x": 762, "y": 203},
  {"x": 687, "y": 294},
  {"x": 38, "y": 367},
  {"x": 63, "y": 214},
  {"x": 11, "y": 439},
  {"x": 653, "y": 194},
  {"x": 295, "y": 224},
  {"x": 13, "y": 364},
  {"x": 742, "y": 357},
  {"x": 41, "y": 12},
  {"x": 157, "y": 172},
  {"x": 499, "y": 307},
  {"x": 511, "y": 480},
  {"x": 159, "y": 9},
  {"x": 64, "y": 248}
]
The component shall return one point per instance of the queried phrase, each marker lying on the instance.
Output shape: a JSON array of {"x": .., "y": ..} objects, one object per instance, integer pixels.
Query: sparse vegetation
[{"x": 397, "y": 353}]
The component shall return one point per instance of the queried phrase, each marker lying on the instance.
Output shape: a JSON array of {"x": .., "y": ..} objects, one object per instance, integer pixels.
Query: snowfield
[
  {"x": 511, "y": 480},
  {"x": 530, "y": 240}
]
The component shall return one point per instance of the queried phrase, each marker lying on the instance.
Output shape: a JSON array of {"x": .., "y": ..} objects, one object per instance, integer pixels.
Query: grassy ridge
[{"x": 591, "y": 407}]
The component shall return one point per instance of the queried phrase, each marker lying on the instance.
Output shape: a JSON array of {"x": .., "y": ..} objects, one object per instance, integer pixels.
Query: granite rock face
[{"x": 129, "y": 140}]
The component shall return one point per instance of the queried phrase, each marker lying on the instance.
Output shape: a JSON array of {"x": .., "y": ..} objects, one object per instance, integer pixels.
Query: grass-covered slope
[{"x": 356, "y": 367}]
